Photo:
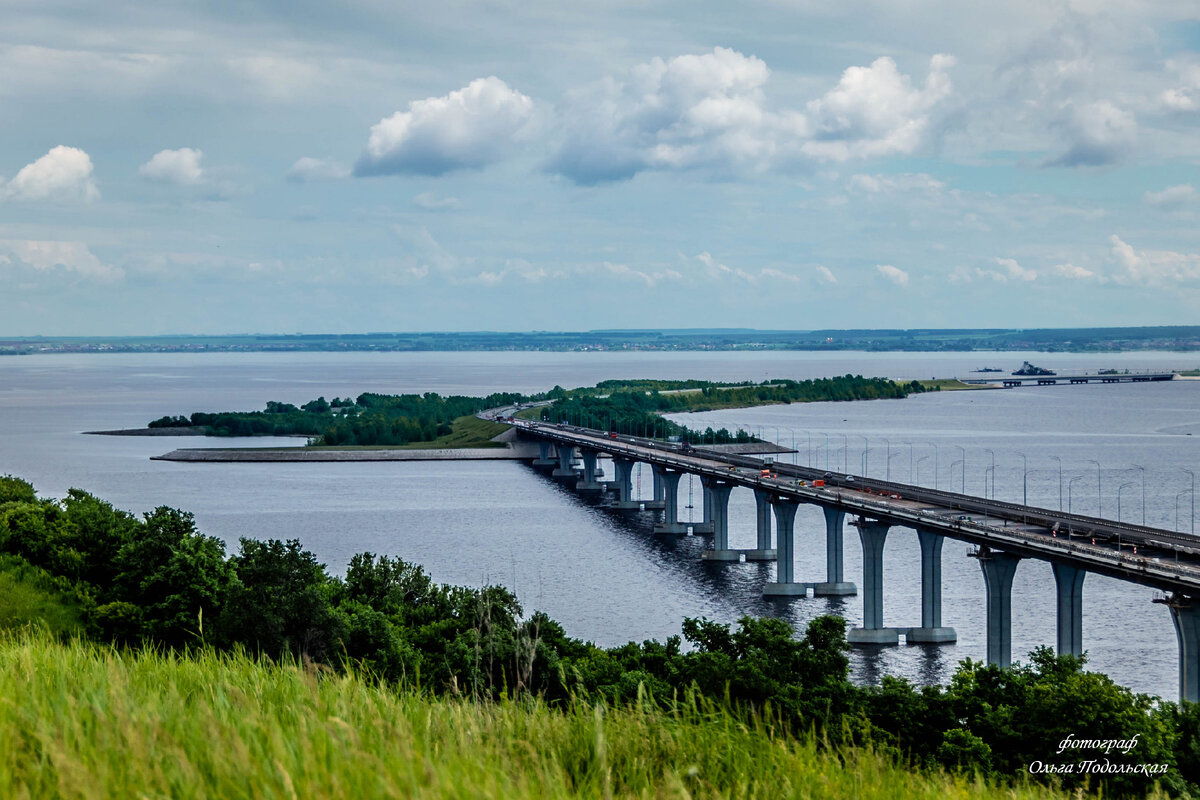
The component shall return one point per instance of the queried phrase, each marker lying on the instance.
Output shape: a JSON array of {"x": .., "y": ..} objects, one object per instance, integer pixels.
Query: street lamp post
[
  {"x": 1071, "y": 483},
  {"x": 1143, "y": 471},
  {"x": 952, "y": 463},
  {"x": 1024, "y": 479},
  {"x": 962, "y": 453},
  {"x": 919, "y": 460},
  {"x": 1099, "y": 502},
  {"x": 826, "y": 435},
  {"x": 993, "y": 455},
  {"x": 1059, "y": 460},
  {"x": 1119, "y": 488},
  {"x": 866, "y": 449},
  {"x": 935, "y": 464},
  {"x": 887, "y": 470},
  {"x": 1192, "y": 475},
  {"x": 845, "y": 451},
  {"x": 910, "y": 462},
  {"x": 1177, "y": 496}
]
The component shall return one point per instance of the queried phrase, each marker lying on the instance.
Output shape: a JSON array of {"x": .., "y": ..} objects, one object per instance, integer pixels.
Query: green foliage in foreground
[
  {"x": 156, "y": 582},
  {"x": 86, "y": 721}
]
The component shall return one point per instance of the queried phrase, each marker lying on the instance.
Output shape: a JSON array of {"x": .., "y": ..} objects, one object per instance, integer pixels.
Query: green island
[
  {"x": 432, "y": 421},
  {"x": 135, "y": 651}
]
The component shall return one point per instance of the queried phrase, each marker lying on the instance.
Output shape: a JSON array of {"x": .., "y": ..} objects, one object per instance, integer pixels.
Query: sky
[{"x": 335, "y": 167}]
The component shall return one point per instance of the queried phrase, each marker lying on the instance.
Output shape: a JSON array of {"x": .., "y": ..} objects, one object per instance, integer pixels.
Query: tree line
[{"x": 157, "y": 581}]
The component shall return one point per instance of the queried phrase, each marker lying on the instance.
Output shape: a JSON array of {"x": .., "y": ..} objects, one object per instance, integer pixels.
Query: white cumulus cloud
[
  {"x": 467, "y": 129},
  {"x": 1097, "y": 133},
  {"x": 46, "y": 256},
  {"x": 825, "y": 275},
  {"x": 64, "y": 174},
  {"x": 876, "y": 111},
  {"x": 1153, "y": 267},
  {"x": 1074, "y": 272},
  {"x": 1173, "y": 197},
  {"x": 308, "y": 169},
  {"x": 180, "y": 167},
  {"x": 893, "y": 274},
  {"x": 711, "y": 111}
]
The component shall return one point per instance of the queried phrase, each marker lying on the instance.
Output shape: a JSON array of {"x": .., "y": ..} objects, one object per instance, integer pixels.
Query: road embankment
[{"x": 290, "y": 454}]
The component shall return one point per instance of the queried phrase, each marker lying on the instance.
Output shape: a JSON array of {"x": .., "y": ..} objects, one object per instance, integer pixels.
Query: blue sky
[{"x": 214, "y": 167}]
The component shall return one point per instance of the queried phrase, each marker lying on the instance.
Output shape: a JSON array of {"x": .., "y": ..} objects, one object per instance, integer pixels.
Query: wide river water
[{"x": 608, "y": 578}]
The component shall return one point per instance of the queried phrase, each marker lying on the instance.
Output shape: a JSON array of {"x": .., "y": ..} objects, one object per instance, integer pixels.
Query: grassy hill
[{"x": 86, "y": 721}]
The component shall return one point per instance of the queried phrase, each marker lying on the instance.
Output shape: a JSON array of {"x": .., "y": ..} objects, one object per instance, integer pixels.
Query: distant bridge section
[{"x": 1011, "y": 381}]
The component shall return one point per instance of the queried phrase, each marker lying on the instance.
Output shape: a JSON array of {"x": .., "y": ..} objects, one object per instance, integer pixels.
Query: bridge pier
[
  {"x": 718, "y": 492},
  {"x": 998, "y": 570},
  {"x": 589, "y": 482},
  {"x": 834, "y": 583},
  {"x": 931, "y": 630},
  {"x": 623, "y": 467},
  {"x": 1069, "y": 581},
  {"x": 669, "y": 479},
  {"x": 1185, "y": 613},
  {"x": 763, "y": 550},
  {"x": 543, "y": 461},
  {"x": 873, "y": 535},
  {"x": 566, "y": 463},
  {"x": 785, "y": 585}
]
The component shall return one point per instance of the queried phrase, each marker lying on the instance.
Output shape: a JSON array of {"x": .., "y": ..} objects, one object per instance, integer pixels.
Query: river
[{"x": 607, "y": 578}]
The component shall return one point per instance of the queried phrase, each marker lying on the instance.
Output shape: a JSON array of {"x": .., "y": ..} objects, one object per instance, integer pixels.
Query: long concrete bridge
[{"x": 1003, "y": 533}]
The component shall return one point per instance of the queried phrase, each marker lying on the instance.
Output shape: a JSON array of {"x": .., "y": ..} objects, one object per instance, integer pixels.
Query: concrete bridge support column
[
  {"x": 1070, "y": 608},
  {"x": 785, "y": 585},
  {"x": 762, "y": 550},
  {"x": 590, "y": 481},
  {"x": 566, "y": 463},
  {"x": 873, "y": 535},
  {"x": 998, "y": 570},
  {"x": 623, "y": 467},
  {"x": 931, "y": 630},
  {"x": 543, "y": 461},
  {"x": 718, "y": 491},
  {"x": 834, "y": 584},
  {"x": 1185, "y": 613},
  {"x": 658, "y": 498},
  {"x": 669, "y": 479}
]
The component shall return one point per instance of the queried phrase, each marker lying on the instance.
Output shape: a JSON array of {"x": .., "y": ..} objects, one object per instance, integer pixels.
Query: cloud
[
  {"x": 893, "y": 274},
  {"x": 826, "y": 276},
  {"x": 650, "y": 279},
  {"x": 905, "y": 182},
  {"x": 716, "y": 269},
  {"x": 1097, "y": 133},
  {"x": 1073, "y": 272},
  {"x": 180, "y": 167},
  {"x": 1157, "y": 268},
  {"x": 63, "y": 175},
  {"x": 876, "y": 111},
  {"x": 682, "y": 113},
  {"x": 1173, "y": 197},
  {"x": 306, "y": 170},
  {"x": 1014, "y": 271},
  {"x": 46, "y": 256},
  {"x": 710, "y": 111},
  {"x": 467, "y": 129},
  {"x": 432, "y": 201}
]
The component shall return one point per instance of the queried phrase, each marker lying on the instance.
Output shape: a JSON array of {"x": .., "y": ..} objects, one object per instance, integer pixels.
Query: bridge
[
  {"x": 1003, "y": 534},
  {"x": 1010, "y": 381}
]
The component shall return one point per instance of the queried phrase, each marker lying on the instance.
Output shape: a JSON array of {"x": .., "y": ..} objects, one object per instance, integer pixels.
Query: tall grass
[{"x": 85, "y": 721}]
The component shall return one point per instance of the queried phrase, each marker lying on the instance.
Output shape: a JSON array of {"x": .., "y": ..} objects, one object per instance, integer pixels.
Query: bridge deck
[{"x": 1163, "y": 559}]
